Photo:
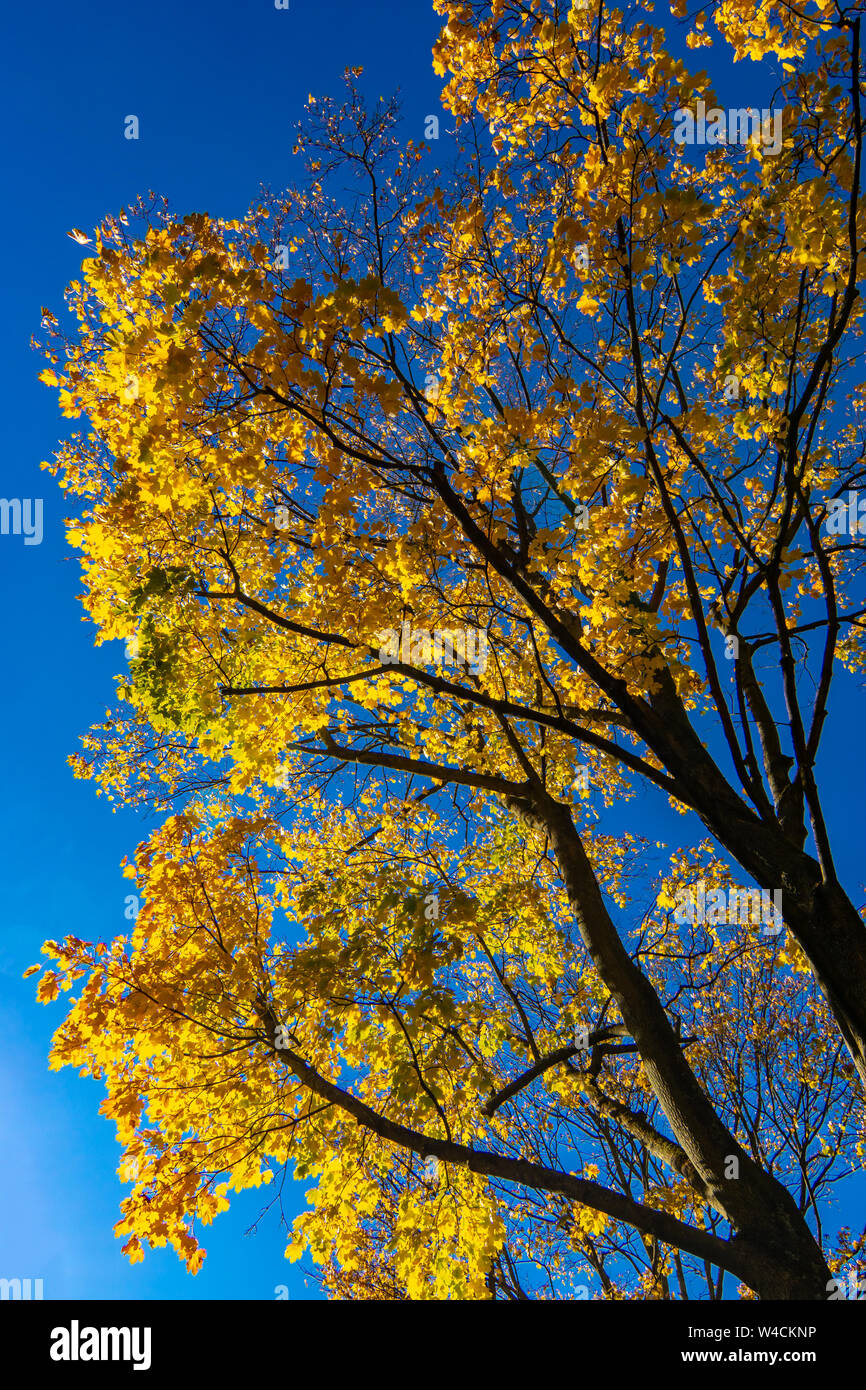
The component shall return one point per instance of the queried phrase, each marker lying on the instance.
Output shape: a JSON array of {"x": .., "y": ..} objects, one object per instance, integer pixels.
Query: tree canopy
[{"x": 595, "y": 396}]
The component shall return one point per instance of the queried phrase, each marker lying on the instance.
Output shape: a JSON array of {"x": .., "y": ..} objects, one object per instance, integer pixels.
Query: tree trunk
[{"x": 783, "y": 1258}]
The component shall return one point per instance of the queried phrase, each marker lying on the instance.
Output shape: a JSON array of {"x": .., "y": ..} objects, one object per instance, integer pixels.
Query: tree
[{"x": 449, "y": 515}]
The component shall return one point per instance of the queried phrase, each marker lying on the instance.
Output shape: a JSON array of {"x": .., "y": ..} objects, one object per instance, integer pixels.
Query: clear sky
[{"x": 217, "y": 88}]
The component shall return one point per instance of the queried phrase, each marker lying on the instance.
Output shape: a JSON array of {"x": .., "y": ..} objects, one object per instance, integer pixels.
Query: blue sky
[{"x": 217, "y": 88}]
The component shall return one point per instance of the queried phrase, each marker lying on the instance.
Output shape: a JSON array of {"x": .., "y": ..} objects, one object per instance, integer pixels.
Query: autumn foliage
[{"x": 591, "y": 393}]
